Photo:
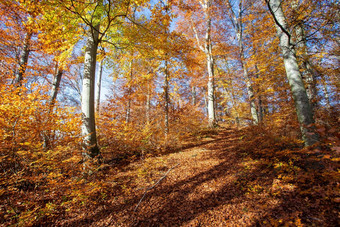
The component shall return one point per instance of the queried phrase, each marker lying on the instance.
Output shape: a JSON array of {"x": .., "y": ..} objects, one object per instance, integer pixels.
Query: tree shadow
[
  {"x": 189, "y": 201},
  {"x": 174, "y": 196}
]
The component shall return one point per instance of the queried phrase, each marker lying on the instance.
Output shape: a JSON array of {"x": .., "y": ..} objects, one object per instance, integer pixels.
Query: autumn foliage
[{"x": 167, "y": 69}]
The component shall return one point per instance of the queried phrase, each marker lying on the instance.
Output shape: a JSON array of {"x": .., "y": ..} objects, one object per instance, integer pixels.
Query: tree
[
  {"x": 88, "y": 127},
  {"x": 238, "y": 26},
  {"x": 302, "y": 104},
  {"x": 102, "y": 20},
  {"x": 206, "y": 47},
  {"x": 99, "y": 85},
  {"x": 23, "y": 59},
  {"x": 309, "y": 74}
]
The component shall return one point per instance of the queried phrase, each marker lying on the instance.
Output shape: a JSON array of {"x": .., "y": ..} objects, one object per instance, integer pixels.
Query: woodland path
[{"x": 217, "y": 183}]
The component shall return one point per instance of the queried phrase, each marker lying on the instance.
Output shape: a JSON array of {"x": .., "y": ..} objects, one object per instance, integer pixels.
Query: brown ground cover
[
  {"x": 231, "y": 177},
  {"x": 225, "y": 180}
]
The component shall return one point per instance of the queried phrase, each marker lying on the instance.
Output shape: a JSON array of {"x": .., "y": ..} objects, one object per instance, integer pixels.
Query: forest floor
[
  {"x": 226, "y": 179},
  {"x": 222, "y": 177}
]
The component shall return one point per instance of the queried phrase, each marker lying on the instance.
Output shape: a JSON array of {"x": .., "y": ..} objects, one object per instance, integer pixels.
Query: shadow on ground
[{"x": 246, "y": 187}]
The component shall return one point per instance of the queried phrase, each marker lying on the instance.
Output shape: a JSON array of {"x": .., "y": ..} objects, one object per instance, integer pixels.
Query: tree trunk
[
  {"x": 308, "y": 74},
  {"x": 88, "y": 127},
  {"x": 232, "y": 95},
  {"x": 193, "y": 95},
  {"x": 55, "y": 86},
  {"x": 326, "y": 94},
  {"x": 54, "y": 92},
  {"x": 260, "y": 105},
  {"x": 211, "y": 98},
  {"x": 148, "y": 104},
  {"x": 250, "y": 92},
  {"x": 99, "y": 85},
  {"x": 302, "y": 105},
  {"x": 128, "y": 111},
  {"x": 128, "y": 107},
  {"x": 210, "y": 66},
  {"x": 207, "y": 49},
  {"x": 206, "y": 103},
  {"x": 237, "y": 23},
  {"x": 166, "y": 100},
  {"x": 23, "y": 60}
]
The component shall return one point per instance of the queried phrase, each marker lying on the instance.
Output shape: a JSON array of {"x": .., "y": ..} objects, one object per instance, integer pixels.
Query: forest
[{"x": 169, "y": 113}]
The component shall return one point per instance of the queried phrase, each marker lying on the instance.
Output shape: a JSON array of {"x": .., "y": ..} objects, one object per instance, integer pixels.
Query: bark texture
[
  {"x": 207, "y": 49},
  {"x": 166, "y": 100},
  {"x": 23, "y": 59},
  {"x": 128, "y": 106},
  {"x": 99, "y": 85},
  {"x": 148, "y": 103},
  {"x": 206, "y": 4},
  {"x": 309, "y": 74},
  {"x": 88, "y": 127},
  {"x": 193, "y": 95},
  {"x": 55, "y": 86},
  {"x": 302, "y": 105}
]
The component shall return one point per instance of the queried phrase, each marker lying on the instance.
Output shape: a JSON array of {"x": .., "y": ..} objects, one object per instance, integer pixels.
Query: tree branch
[
  {"x": 278, "y": 23},
  {"x": 148, "y": 189}
]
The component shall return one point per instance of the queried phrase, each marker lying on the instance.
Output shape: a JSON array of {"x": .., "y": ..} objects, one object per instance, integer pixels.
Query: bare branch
[{"x": 148, "y": 189}]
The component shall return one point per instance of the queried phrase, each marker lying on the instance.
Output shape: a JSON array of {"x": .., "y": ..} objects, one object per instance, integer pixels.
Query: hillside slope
[{"x": 227, "y": 179}]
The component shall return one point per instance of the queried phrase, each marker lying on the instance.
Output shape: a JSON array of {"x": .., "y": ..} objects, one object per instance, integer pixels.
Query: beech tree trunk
[
  {"x": 128, "y": 107},
  {"x": 193, "y": 95},
  {"x": 23, "y": 59},
  {"x": 237, "y": 23},
  {"x": 210, "y": 64},
  {"x": 308, "y": 74},
  {"x": 166, "y": 83},
  {"x": 166, "y": 100},
  {"x": 99, "y": 85},
  {"x": 260, "y": 112},
  {"x": 54, "y": 92},
  {"x": 148, "y": 104},
  {"x": 88, "y": 127},
  {"x": 207, "y": 49},
  {"x": 302, "y": 105},
  {"x": 211, "y": 88},
  {"x": 55, "y": 86},
  {"x": 326, "y": 94}
]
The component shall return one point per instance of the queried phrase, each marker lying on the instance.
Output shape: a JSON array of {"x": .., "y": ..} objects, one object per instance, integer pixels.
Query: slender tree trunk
[
  {"x": 193, "y": 95},
  {"x": 260, "y": 105},
  {"x": 211, "y": 98},
  {"x": 237, "y": 23},
  {"x": 55, "y": 86},
  {"x": 233, "y": 101},
  {"x": 250, "y": 89},
  {"x": 232, "y": 96},
  {"x": 128, "y": 112},
  {"x": 166, "y": 100},
  {"x": 302, "y": 105},
  {"x": 128, "y": 107},
  {"x": 207, "y": 49},
  {"x": 210, "y": 66},
  {"x": 148, "y": 104},
  {"x": 54, "y": 92},
  {"x": 23, "y": 59},
  {"x": 251, "y": 95},
  {"x": 99, "y": 85},
  {"x": 166, "y": 84},
  {"x": 326, "y": 94},
  {"x": 87, "y": 102}
]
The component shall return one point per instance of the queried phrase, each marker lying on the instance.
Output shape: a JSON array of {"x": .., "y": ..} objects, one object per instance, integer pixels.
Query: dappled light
[{"x": 169, "y": 113}]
